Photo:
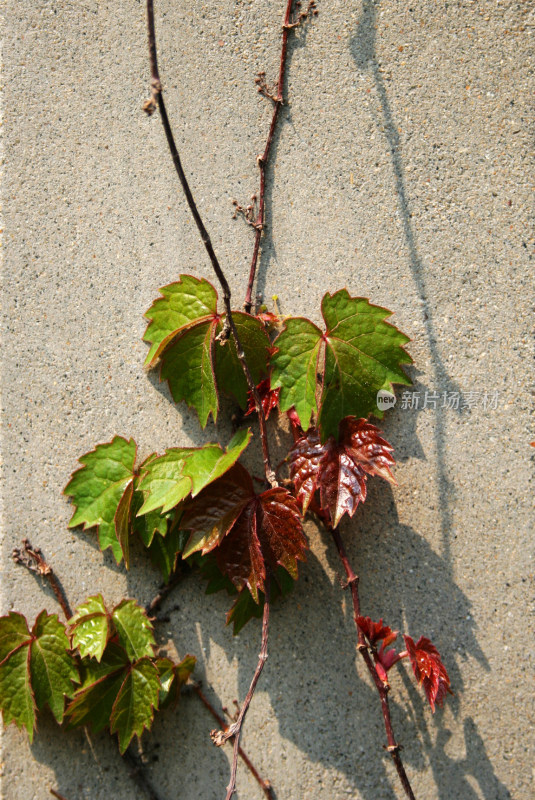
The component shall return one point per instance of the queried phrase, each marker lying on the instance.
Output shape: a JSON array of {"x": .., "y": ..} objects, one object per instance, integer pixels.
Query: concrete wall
[{"x": 402, "y": 172}]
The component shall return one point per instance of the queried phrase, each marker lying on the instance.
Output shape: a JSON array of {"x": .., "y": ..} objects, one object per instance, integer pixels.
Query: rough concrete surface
[{"x": 403, "y": 171}]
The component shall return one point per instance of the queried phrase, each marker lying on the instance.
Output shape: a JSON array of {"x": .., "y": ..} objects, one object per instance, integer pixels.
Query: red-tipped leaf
[
  {"x": 339, "y": 469},
  {"x": 428, "y": 669},
  {"x": 250, "y": 533}
]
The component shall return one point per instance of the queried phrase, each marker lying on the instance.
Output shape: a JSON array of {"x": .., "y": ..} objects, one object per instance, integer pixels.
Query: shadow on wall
[
  {"x": 363, "y": 51},
  {"x": 320, "y": 703}
]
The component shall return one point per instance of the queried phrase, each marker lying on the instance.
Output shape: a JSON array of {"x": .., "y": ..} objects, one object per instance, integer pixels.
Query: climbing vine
[{"x": 201, "y": 507}]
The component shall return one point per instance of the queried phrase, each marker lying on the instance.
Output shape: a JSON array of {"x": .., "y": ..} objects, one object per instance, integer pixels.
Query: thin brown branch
[
  {"x": 220, "y": 737},
  {"x": 393, "y": 747},
  {"x": 57, "y": 794},
  {"x": 32, "y": 558},
  {"x": 265, "y": 785},
  {"x": 277, "y": 96},
  {"x": 149, "y": 107}
]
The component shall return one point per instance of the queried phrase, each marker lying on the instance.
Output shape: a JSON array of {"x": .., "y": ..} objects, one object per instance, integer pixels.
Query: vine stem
[
  {"x": 263, "y": 159},
  {"x": 393, "y": 747},
  {"x": 151, "y": 610},
  {"x": 156, "y": 99},
  {"x": 234, "y": 730},
  {"x": 264, "y": 784},
  {"x": 32, "y": 558}
]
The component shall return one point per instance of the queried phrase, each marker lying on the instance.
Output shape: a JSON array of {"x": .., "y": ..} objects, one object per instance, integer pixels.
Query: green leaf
[
  {"x": 133, "y": 710},
  {"x": 228, "y": 370},
  {"x": 94, "y": 703},
  {"x": 164, "y": 551},
  {"x": 185, "y": 668},
  {"x": 170, "y": 478},
  {"x": 121, "y": 695},
  {"x": 36, "y": 669},
  {"x": 13, "y": 632},
  {"x": 172, "y": 677},
  {"x": 182, "y": 303},
  {"x": 169, "y": 686},
  {"x": 150, "y": 524},
  {"x": 16, "y": 696},
  {"x": 358, "y": 355},
  {"x": 133, "y": 629},
  {"x": 205, "y": 464},
  {"x": 98, "y": 488},
  {"x": 245, "y": 608},
  {"x": 52, "y": 668},
  {"x": 164, "y": 484},
  {"x": 295, "y": 366},
  {"x": 113, "y": 660},
  {"x": 122, "y": 522},
  {"x": 183, "y": 327},
  {"x": 90, "y": 628},
  {"x": 217, "y": 580},
  {"x": 187, "y": 366},
  {"x": 363, "y": 355}
]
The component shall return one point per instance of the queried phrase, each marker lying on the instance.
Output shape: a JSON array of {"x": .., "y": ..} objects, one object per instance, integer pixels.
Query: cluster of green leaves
[
  {"x": 358, "y": 354},
  {"x": 100, "y": 670},
  {"x": 118, "y": 499},
  {"x": 199, "y": 502}
]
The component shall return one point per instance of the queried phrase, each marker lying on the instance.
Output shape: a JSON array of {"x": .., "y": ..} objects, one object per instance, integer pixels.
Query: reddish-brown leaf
[
  {"x": 211, "y": 514},
  {"x": 267, "y": 533},
  {"x": 429, "y": 670},
  {"x": 251, "y": 532},
  {"x": 239, "y": 556},
  {"x": 339, "y": 469},
  {"x": 269, "y": 319},
  {"x": 280, "y": 530},
  {"x": 377, "y": 632},
  {"x": 269, "y": 398}
]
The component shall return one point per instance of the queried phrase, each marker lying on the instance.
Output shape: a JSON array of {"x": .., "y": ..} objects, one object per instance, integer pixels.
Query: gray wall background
[{"x": 402, "y": 171}]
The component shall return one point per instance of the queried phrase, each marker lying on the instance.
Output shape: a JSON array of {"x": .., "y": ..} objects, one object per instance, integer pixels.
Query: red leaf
[
  {"x": 239, "y": 556},
  {"x": 429, "y": 670},
  {"x": 295, "y": 424},
  {"x": 269, "y": 319},
  {"x": 280, "y": 529},
  {"x": 251, "y": 532},
  {"x": 268, "y": 397},
  {"x": 212, "y": 513},
  {"x": 339, "y": 469},
  {"x": 377, "y": 632}
]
